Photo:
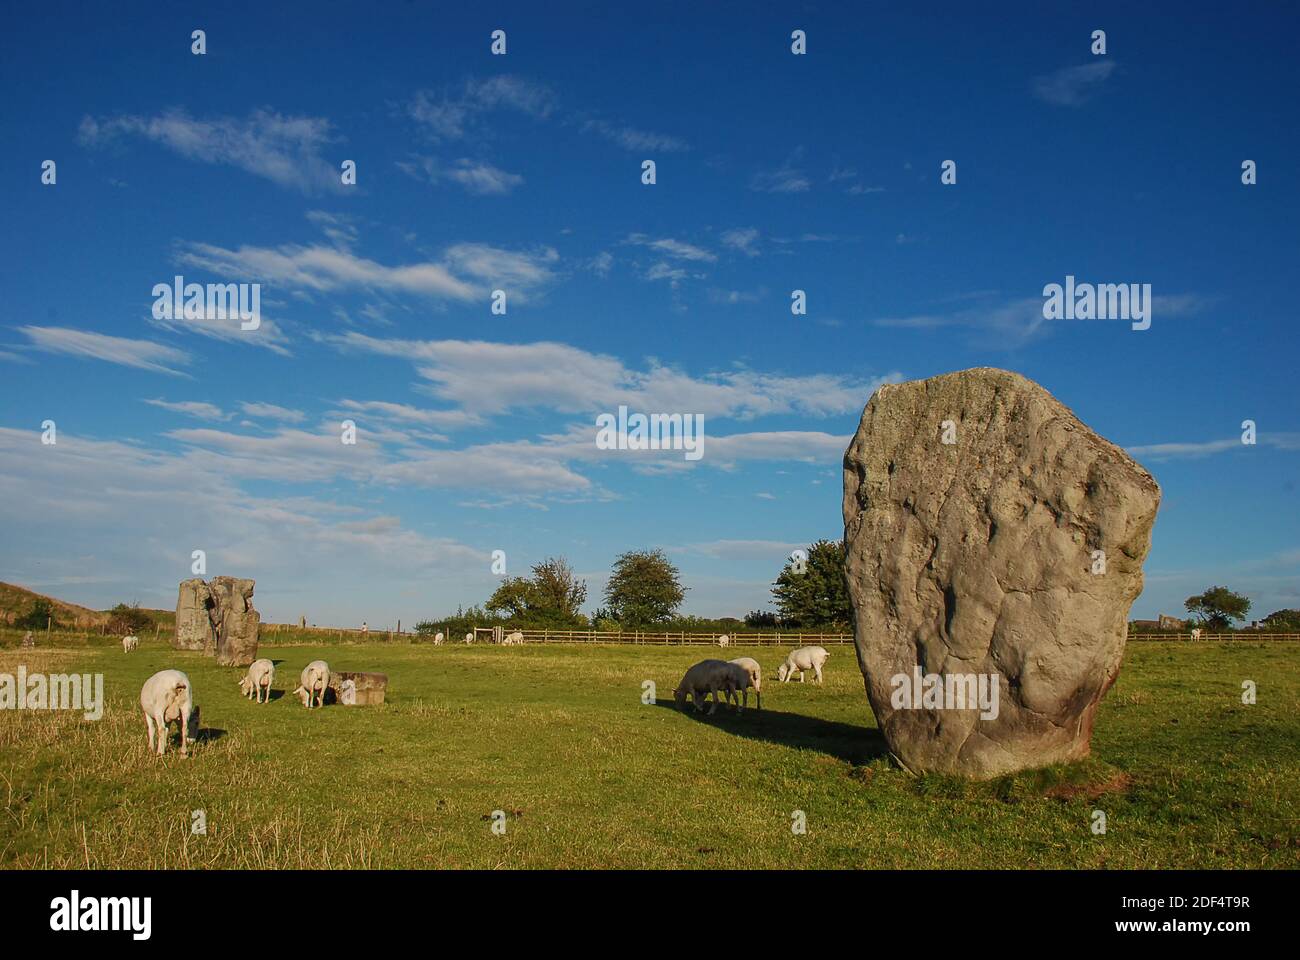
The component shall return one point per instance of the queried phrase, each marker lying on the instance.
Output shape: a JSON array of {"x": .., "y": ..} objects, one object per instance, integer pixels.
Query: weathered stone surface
[
  {"x": 194, "y": 629},
  {"x": 218, "y": 618},
  {"x": 977, "y": 557},
  {"x": 363, "y": 689},
  {"x": 236, "y": 621}
]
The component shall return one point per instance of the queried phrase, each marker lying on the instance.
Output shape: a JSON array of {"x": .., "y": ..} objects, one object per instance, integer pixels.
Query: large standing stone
[
  {"x": 236, "y": 621},
  {"x": 194, "y": 629},
  {"x": 218, "y": 618},
  {"x": 1014, "y": 551}
]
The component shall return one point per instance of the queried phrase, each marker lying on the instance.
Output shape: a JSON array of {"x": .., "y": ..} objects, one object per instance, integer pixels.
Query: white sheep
[
  {"x": 166, "y": 698},
  {"x": 513, "y": 639},
  {"x": 724, "y": 641},
  {"x": 315, "y": 680},
  {"x": 437, "y": 639},
  {"x": 750, "y": 675},
  {"x": 805, "y": 658},
  {"x": 260, "y": 676},
  {"x": 469, "y": 637},
  {"x": 130, "y": 643},
  {"x": 707, "y": 676}
]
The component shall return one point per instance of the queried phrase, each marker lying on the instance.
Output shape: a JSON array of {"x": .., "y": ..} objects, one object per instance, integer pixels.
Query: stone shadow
[{"x": 856, "y": 745}]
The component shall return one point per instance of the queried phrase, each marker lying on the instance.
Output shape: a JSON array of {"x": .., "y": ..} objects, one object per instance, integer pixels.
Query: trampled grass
[{"x": 588, "y": 776}]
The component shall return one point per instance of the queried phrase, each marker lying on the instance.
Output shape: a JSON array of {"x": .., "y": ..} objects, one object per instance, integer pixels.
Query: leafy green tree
[
  {"x": 1218, "y": 607},
  {"x": 42, "y": 612},
  {"x": 551, "y": 597},
  {"x": 512, "y": 598},
  {"x": 128, "y": 619},
  {"x": 1287, "y": 620},
  {"x": 816, "y": 595},
  {"x": 644, "y": 588},
  {"x": 559, "y": 594},
  {"x": 760, "y": 619}
]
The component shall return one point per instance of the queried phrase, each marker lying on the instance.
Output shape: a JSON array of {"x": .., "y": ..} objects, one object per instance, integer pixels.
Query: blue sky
[{"x": 522, "y": 172}]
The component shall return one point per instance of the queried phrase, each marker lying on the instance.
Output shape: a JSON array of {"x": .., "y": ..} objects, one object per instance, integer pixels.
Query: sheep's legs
[
  {"x": 149, "y": 723},
  {"x": 819, "y": 674}
]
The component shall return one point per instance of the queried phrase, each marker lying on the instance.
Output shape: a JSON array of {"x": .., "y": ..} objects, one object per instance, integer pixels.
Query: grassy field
[{"x": 557, "y": 737}]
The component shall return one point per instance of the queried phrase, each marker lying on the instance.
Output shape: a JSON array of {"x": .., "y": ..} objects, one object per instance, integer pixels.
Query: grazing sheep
[
  {"x": 260, "y": 676},
  {"x": 469, "y": 637},
  {"x": 130, "y": 643},
  {"x": 315, "y": 681},
  {"x": 805, "y": 658},
  {"x": 513, "y": 639},
  {"x": 752, "y": 677},
  {"x": 437, "y": 639},
  {"x": 724, "y": 640},
  {"x": 707, "y": 676},
  {"x": 166, "y": 698}
]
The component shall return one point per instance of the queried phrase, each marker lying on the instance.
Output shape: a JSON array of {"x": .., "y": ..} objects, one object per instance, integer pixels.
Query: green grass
[{"x": 558, "y": 738}]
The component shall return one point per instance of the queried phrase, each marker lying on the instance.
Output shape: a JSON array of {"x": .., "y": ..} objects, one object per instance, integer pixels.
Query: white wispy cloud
[
  {"x": 1196, "y": 449},
  {"x": 1017, "y": 321},
  {"x": 141, "y": 354},
  {"x": 217, "y": 325},
  {"x": 787, "y": 178},
  {"x": 1073, "y": 86},
  {"x": 475, "y": 176},
  {"x": 486, "y": 378},
  {"x": 191, "y": 408},
  {"x": 270, "y": 411},
  {"x": 630, "y": 138},
  {"x": 463, "y": 274},
  {"x": 283, "y": 149},
  {"x": 454, "y": 113},
  {"x": 742, "y": 239},
  {"x": 776, "y": 550},
  {"x": 676, "y": 249}
]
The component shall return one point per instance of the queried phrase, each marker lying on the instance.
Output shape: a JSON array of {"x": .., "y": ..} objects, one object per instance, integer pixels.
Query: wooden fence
[
  {"x": 1245, "y": 635},
  {"x": 679, "y": 639}
]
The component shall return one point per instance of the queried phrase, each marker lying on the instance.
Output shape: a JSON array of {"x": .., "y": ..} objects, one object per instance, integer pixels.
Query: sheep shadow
[
  {"x": 849, "y": 742},
  {"x": 207, "y": 735}
]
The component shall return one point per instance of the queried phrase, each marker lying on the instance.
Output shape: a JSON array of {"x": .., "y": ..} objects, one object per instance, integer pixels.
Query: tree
[
  {"x": 760, "y": 618},
  {"x": 1288, "y": 620},
  {"x": 559, "y": 594},
  {"x": 1218, "y": 607},
  {"x": 644, "y": 588},
  {"x": 41, "y": 613},
  {"x": 817, "y": 595},
  {"x": 128, "y": 619},
  {"x": 552, "y": 596}
]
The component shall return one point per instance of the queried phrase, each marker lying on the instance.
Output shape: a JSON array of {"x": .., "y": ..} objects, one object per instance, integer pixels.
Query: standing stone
[
  {"x": 236, "y": 621},
  {"x": 218, "y": 618},
  {"x": 194, "y": 628},
  {"x": 1013, "y": 551}
]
